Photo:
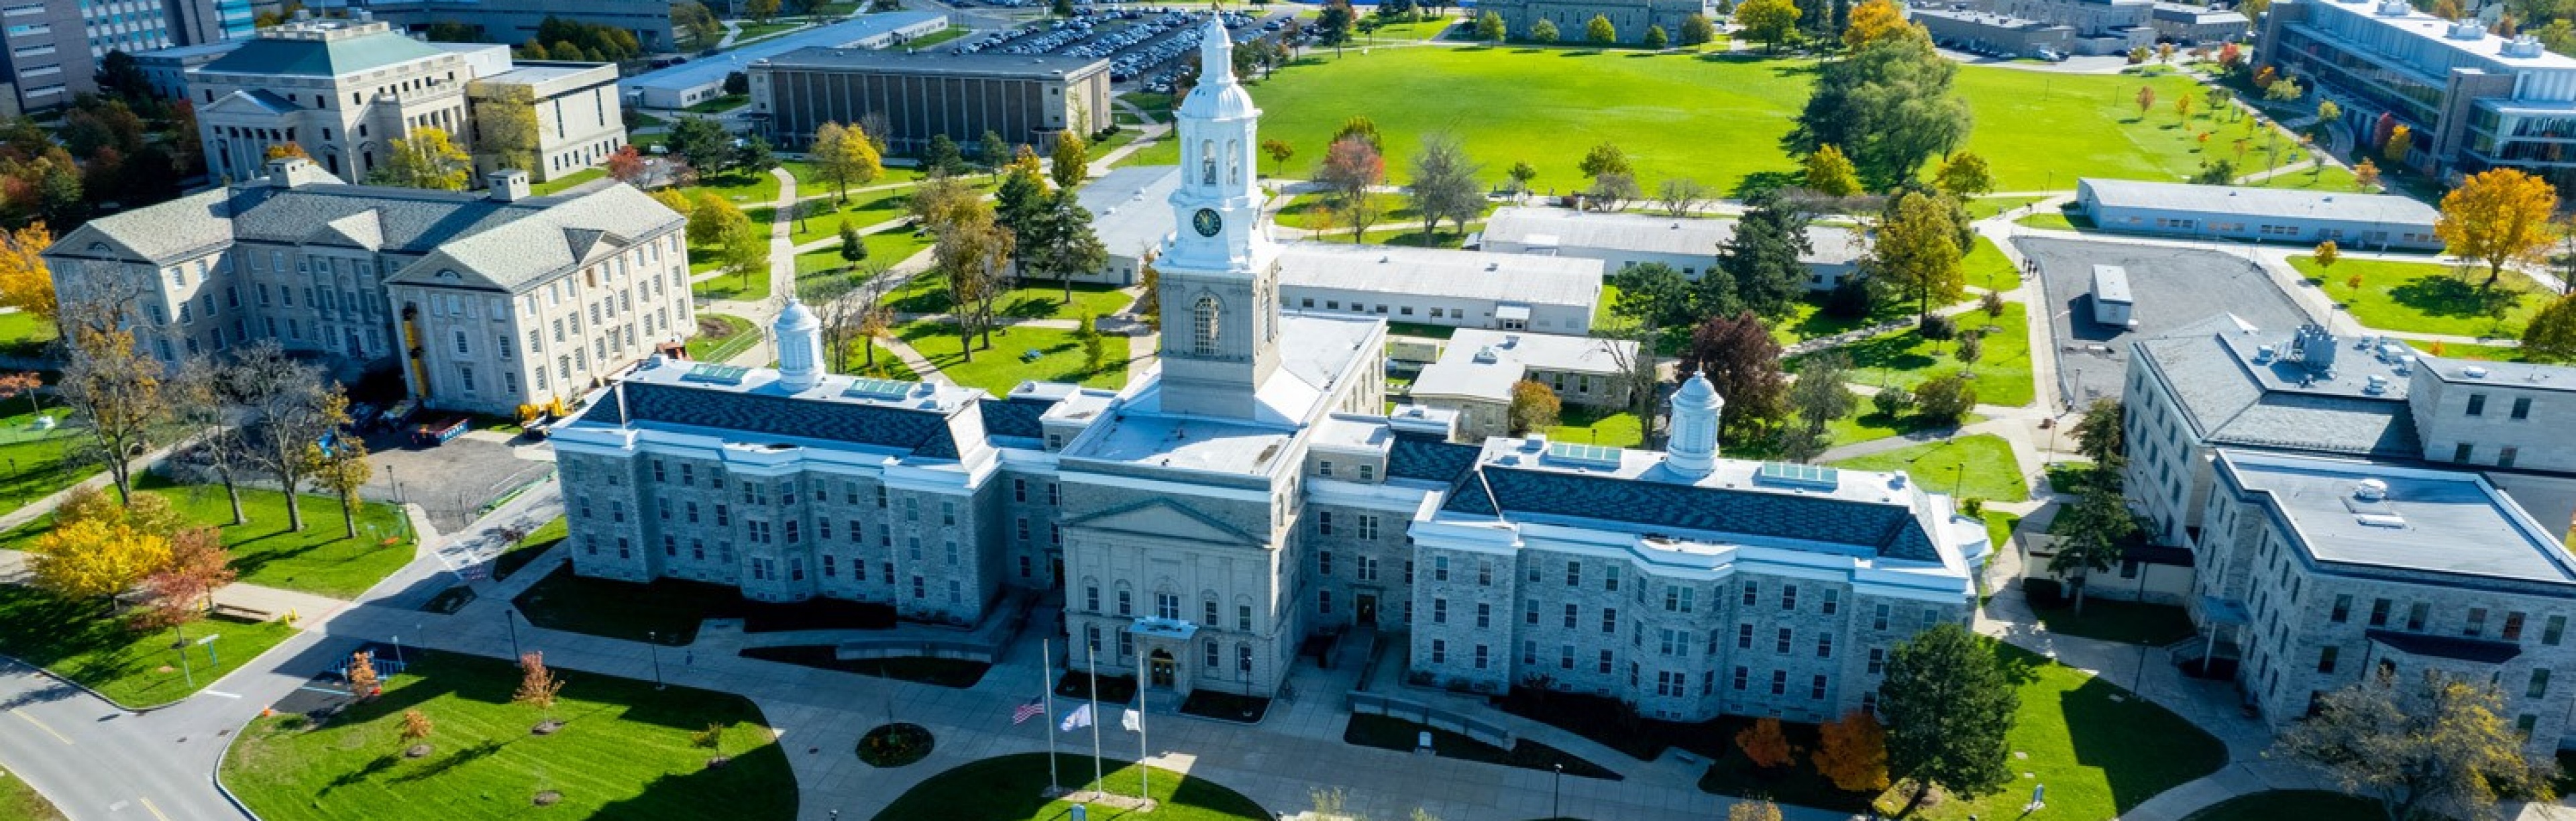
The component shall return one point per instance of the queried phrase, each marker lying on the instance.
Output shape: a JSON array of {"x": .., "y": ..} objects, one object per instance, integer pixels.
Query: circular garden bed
[{"x": 895, "y": 745}]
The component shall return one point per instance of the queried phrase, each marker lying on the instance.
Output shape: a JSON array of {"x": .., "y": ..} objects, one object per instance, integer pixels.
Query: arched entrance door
[{"x": 1159, "y": 668}]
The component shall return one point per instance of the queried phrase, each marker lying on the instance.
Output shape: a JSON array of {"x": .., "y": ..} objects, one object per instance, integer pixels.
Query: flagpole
[
  {"x": 1046, "y": 689},
  {"x": 1091, "y": 658},
  {"x": 1144, "y": 774}
]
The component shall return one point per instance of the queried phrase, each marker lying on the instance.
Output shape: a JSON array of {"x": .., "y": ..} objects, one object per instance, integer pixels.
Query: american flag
[{"x": 1026, "y": 712}]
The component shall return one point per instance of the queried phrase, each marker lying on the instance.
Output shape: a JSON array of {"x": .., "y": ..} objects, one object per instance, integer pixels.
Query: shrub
[
  {"x": 1892, "y": 401},
  {"x": 1938, "y": 326}
]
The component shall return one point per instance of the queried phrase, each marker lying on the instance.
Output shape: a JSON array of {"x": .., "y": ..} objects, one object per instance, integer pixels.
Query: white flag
[
  {"x": 1133, "y": 722},
  {"x": 1079, "y": 718}
]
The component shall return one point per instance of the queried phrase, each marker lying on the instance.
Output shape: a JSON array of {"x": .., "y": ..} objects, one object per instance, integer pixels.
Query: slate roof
[
  {"x": 1014, "y": 417},
  {"x": 1891, "y": 530},
  {"x": 1423, "y": 456},
  {"x": 2228, "y": 403},
  {"x": 923, "y": 434},
  {"x": 322, "y": 58},
  {"x": 2481, "y": 651}
]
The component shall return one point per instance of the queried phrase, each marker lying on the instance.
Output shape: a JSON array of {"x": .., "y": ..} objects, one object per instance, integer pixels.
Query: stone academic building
[
  {"x": 1630, "y": 17},
  {"x": 1253, "y": 491}
]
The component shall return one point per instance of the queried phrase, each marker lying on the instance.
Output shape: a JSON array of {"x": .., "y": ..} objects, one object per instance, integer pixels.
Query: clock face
[{"x": 1206, "y": 222}]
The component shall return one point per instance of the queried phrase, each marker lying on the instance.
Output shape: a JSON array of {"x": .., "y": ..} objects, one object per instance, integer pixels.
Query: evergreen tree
[
  {"x": 1762, "y": 259},
  {"x": 1888, "y": 105},
  {"x": 1947, "y": 708}
]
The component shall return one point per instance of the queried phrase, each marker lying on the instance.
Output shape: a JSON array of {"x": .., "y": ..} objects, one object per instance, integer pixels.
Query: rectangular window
[
  {"x": 1439, "y": 611},
  {"x": 2477, "y": 623},
  {"x": 1816, "y": 690},
  {"x": 2326, "y": 658},
  {"x": 1741, "y": 677},
  {"x": 2342, "y": 609},
  {"x": 1833, "y": 601},
  {"x": 1825, "y": 646},
  {"x": 1744, "y": 637},
  {"x": 2512, "y": 627},
  {"x": 2522, "y": 407},
  {"x": 2416, "y": 615},
  {"x": 1788, "y": 597},
  {"x": 1573, "y": 574},
  {"x": 1752, "y": 593},
  {"x": 1786, "y": 636},
  {"x": 1572, "y": 614},
  {"x": 1610, "y": 620},
  {"x": 2379, "y": 612},
  {"x": 1779, "y": 682},
  {"x": 1484, "y": 616},
  {"x": 2477, "y": 404},
  {"x": 2539, "y": 683},
  {"x": 1877, "y": 660}
]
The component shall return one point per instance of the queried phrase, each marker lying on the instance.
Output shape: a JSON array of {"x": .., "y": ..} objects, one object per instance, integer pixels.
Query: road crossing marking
[
  {"x": 40, "y": 725},
  {"x": 219, "y": 693}
]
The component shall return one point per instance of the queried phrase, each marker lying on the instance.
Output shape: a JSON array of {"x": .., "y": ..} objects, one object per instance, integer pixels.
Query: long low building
[
  {"x": 1686, "y": 244},
  {"x": 702, "y": 79},
  {"x": 1130, "y": 214},
  {"x": 1438, "y": 286},
  {"x": 1993, "y": 33},
  {"x": 920, "y": 95},
  {"x": 1475, "y": 375},
  {"x": 2366, "y": 221}
]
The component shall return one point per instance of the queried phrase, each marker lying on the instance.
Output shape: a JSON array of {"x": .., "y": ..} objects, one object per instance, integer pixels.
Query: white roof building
[
  {"x": 1688, "y": 244},
  {"x": 1470, "y": 289}
]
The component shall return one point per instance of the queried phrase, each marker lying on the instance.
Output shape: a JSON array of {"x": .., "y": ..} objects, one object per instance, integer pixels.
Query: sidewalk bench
[{"x": 247, "y": 613}]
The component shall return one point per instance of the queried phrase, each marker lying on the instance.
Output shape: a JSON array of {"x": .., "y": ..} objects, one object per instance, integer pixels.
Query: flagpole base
[{"x": 1096, "y": 797}]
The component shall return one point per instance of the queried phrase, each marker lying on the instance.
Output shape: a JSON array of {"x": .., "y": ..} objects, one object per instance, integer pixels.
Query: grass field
[
  {"x": 1031, "y": 299},
  {"x": 885, "y": 367},
  {"x": 2426, "y": 298},
  {"x": 318, "y": 560},
  {"x": 748, "y": 287},
  {"x": 1008, "y": 788},
  {"x": 37, "y": 463},
  {"x": 2100, "y": 749},
  {"x": 625, "y": 751},
  {"x": 2489, "y": 353},
  {"x": 1591, "y": 426},
  {"x": 2275, "y": 805},
  {"x": 1980, "y": 466},
  {"x": 720, "y": 336},
  {"x": 21, "y": 803},
  {"x": 1983, "y": 207},
  {"x": 1000, "y": 368},
  {"x": 1902, "y": 357},
  {"x": 25, "y": 334},
  {"x": 567, "y": 181},
  {"x": 2127, "y": 622},
  {"x": 78, "y": 641},
  {"x": 2037, "y": 129},
  {"x": 529, "y": 547}
]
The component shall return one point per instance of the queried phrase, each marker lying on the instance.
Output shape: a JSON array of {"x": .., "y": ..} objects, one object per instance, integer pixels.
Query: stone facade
[{"x": 1630, "y": 18}]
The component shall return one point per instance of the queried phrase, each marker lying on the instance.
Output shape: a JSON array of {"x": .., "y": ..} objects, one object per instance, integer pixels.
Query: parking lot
[
  {"x": 2172, "y": 287},
  {"x": 452, "y": 481},
  {"x": 1143, "y": 45}
]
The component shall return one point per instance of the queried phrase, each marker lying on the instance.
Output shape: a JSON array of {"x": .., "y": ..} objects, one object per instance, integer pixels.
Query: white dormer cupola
[
  {"x": 1692, "y": 451},
  {"x": 1219, "y": 199},
  {"x": 800, "y": 347}
]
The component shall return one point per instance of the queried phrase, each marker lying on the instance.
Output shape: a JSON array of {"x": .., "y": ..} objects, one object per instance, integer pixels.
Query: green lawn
[
  {"x": 749, "y": 287},
  {"x": 2100, "y": 749},
  {"x": 2333, "y": 178},
  {"x": 1008, "y": 788},
  {"x": 1429, "y": 29},
  {"x": 886, "y": 365},
  {"x": 2050, "y": 220},
  {"x": 529, "y": 547},
  {"x": 568, "y": 181},
  {"x": 318, "y": 560},
  {"x": 745, "y": 188},
  {"x": 2277, "y": 805},
  {"x": 2037, "y": 129},
  {"x": 824, "y": 220},
  {"x": 625, "y": 751},
  {"x": 25, "y": 334},
  {"x": 720, "y": 336},
  {"x": 2127, "y": 622},
  {"x": 999, "y": 368},
  {"x": 886, "y": 247},
  {"x": 2462, "y": 350},
  {"x": 763, "y": 31},
  {"x": 1980, "y": 466},
  {"x": 937, "y": 37},
  {"x": 20, "y": 802},
  {"x": 2426, "y": 298},
  {"x": 76, "y": 640},
  {"x": 1987, "y": 267},
  {"x": 1592, "y": 426},
  {"x": 1983, "y": 207},
  {"x": 1903, "y": 357},
  {"x": 1031, "y": 299},
  {"x": 721, "y": 104},
  {"x": 1807, "y": 318},
  {"x": 38, "y": 462}
]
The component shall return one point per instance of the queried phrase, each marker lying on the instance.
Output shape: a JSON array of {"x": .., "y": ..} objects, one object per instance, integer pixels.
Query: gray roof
[
  {"x": 1642, "y": 233},
  {"x": 488, "y": 243},
  {"x": 1982, "y": 18},
  {"x": 2425, "y": 38},
  {"x": 699, "y": 71},
  {"x": 939, "y": 61},
  {"x": 1130, "y": 207},
  {"x": 322, "y": 58},
  {"x": 2110, "y": 283},
  {"x": 1483, "y": 364},
  {"x": 1440, "y": 272},
  {"x": 2198, "y": 15},
  {"x": 2509, "y": 374},
  {"x": 2230, "y": 398},
  {"x": 2431, "y": 520},
  {"x": 2260, "y": 202}
]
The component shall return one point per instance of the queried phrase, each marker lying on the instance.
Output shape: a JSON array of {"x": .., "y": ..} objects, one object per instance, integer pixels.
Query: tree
[
  {"x": 854, "y": 247},
  {"x": 416, "y": 726},
  {"x": 971, "y": 255},
  {"x": 754, "y": 155},
  {"x": 2326, "y": 254},
  {"x": 343, "y": 468},
  {"x": 184, "y": 586},
  {"x": 537, "y": 685},
  {"x": 1534, "y": 407},
  {"x": 1770, "y": 21},
  {"x": 1679, "y": 196},
  {"x": 942, "y": 154},
  {"x": 1888, "y": 106},
  {"x": 1818, "y": 398},
  {"x": 1971, "y": 348},
  {"x": 1545, "y": 32},
  {"x": 1764, "y": 745},
  {"x": 2426, "y": 745},
  {"x": 1063, "y": 243},
  {"x": 2401, "y": 140},
  {"x": 201, "y": 398},
  {"x": 1753, "y": 809},
  {"x": 1853, "y": 753},
  {"x": 1871, "y": 22},
  {"x": 1657, "y": 38},
  {"x": 2365, "y": 175},
  {"x": 1698, "y": 30},
  {"x": 846, "y": 157},
  {"x": 1606, "y": 158},
  {"x": 2497, "y": 217},
  {"x": 1350, "y": 173},
  {"x": 1072, "y": 161},
  {"x": 1918, "y": 251},
  {"x": 1947, "y": 709},
  {"x": 1742, "y": 361},
  {"x": 1521, "y": 174},
  {"x": 1360, "y": 127},
  {"x": 1598, "y": 31},
  {"x": 25, "y": 282},
  {"x": 505, "y": 127},
  {"x": 1964, "y": 176},
  {"x": 95, "y": 558},
  {"x": 760, "y": 11},
  {"x": 1831, "y": 174},
  {"x": 627, "y": 165},
  {"x": 1761, "y": 260},
  {"x": 2284, "y": 90},
  {"x": 2551, "y": 336},
  {"x": 2092, "y": 535},
  {"x": 1611, "y": 191},
  {"x": 1279, "y": 151},
  {"x": 1333, "y": 25},
  {"x": 22, "y": 383},
  {"x": 363, "y": 681},
  {"x": 742, "y": 248},
  {"x": 113, "y": 390},
  {"x": 1652, "y": 293},
  {"x": 2099, "y": 435},
  {"x": 1444, "y": 184},
  {"x": 427, "y": 159},
  {"x": 2146, "y": 100},
  {"x": 289, "y": 407},
  {"x": 280, "y": 151},
  {"x": 1489, "y": 27},
  {"x": 1945, "y": 399}
]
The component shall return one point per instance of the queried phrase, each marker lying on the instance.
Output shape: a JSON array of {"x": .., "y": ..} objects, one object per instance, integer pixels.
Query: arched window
[
  {"x": 1203, "y": 326},
  {"x": 1207, "y": 162},
  {"x": 1233, "y": 163}
]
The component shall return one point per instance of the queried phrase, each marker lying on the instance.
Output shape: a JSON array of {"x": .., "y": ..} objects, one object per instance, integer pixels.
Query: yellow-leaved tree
[
  {"x": 95, "y": 558},
  {"x": 1873, "y": 21},
  {"x": 429, "y": 158},
  {"x": 1854, "y": 753},
  {"x": 2497, "y": 217},
  {"x": 845, "y": 157},
  {"x": 25, "y": 283}
]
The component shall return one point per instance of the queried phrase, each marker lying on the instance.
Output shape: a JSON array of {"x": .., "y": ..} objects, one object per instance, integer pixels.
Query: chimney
[
  {"x": 287, "y": 172},
  {"x": 507, "y": 185}
]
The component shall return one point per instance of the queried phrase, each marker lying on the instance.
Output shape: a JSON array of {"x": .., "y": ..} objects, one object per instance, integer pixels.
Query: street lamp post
[
  {"x": 1556, "y": 799},
  {"x": 653, "y": 644}
]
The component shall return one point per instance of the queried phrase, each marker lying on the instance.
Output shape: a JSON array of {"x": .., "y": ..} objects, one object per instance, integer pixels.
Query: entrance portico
[{"x": 1161, "y": 644}]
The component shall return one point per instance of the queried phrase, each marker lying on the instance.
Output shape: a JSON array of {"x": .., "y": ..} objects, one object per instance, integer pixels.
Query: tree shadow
[
  {"x": 378, "y": 766},
  {"x": 2140, "y": 748},
  {"x": 1763, "y": 182},
  {"x": 485, "y": 749},
  {"x": 1899, "y": 351},
  {"x": 2456, "y": 297}
]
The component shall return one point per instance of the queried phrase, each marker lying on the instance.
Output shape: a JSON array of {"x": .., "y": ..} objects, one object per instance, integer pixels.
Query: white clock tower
[{"x": 1220, "y": 277}]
